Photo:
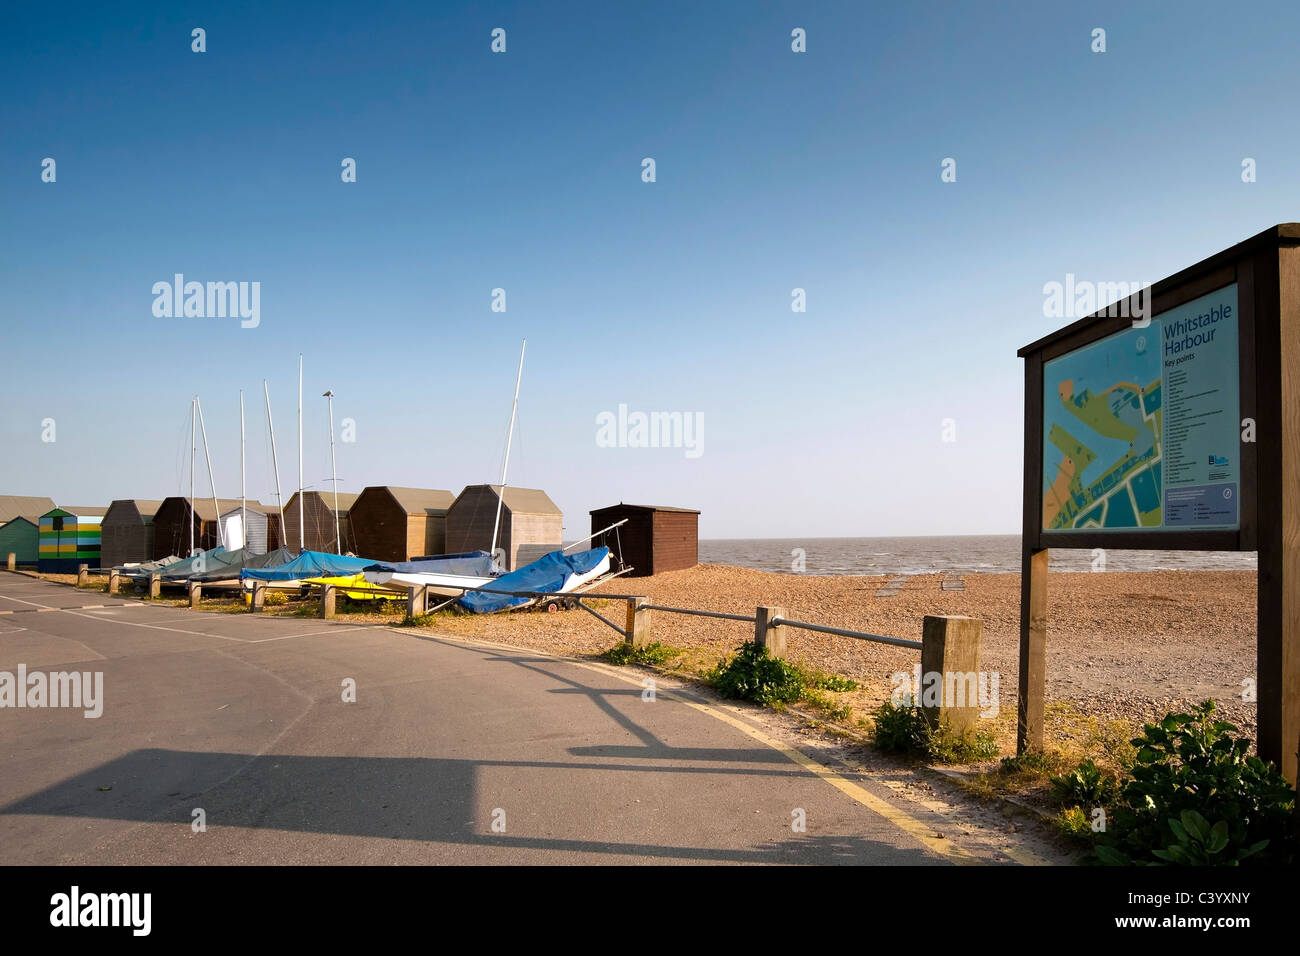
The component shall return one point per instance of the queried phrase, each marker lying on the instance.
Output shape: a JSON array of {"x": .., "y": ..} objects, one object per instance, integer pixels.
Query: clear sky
[{"x": 476, "y": 170}]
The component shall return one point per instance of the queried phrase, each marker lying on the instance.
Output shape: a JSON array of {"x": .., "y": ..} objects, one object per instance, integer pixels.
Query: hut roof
[
  {"x": 689, "y": 511},
  {"x": 528, "y": 501},
  {"x": 13, "y": 506},
  {"x": 79, "y": 511},
  {"x": 147, "y": 507},
  {"x": 421, "y": 500}
]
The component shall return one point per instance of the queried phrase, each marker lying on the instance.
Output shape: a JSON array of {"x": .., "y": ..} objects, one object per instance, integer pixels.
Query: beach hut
[
  {"x": 262, "y": 533},
  {"x": 69, "y": 537},
  {"x": 655, "y": 538},
  {"x": 28, "y": 506},
  {"x": 172, "y": 521},
  {"x": 20, "y": 537},
  {"x": 398, "y": 524},
  {"x": 127, "y": 531},
  {"x": 531, "y": 524},
  {"x": 318, "y": 522}
]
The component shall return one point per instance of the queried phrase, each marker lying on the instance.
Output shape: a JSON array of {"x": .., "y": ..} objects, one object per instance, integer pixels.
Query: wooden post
[
  {"x": 639, "y": 631},
  {"x": 114, "y": 581},
  {"x": 1033, "y": 651},
  {"x": 1277, "y": 667},
  {"x": 417, "y": 602},
  {"x": 83, "y": 575},
  {"x": 259, "y": 597},
  {"x": 767, "y": 634},
  {"x": 155, "y": 586},
  {"x": 196, "y": 593},
  {"x": 13, "y": 561},
  {"x": 950, "y": 671},
  {"x": 327, "y": 600}
]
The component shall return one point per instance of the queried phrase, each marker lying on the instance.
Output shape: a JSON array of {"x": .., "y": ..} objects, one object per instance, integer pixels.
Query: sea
[{"x": 988, "y": 554}]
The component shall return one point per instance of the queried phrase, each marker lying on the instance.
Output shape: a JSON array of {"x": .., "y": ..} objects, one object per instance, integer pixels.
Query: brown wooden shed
[
  {"x": 172, "y": 520},
  {"x": 318, "y": 522},
  {"x": 531, "y": 524},
  {"x": 398, "y": 524},
  {"x": 127, "y": 532},
  {"x": 654, "y": 540}
]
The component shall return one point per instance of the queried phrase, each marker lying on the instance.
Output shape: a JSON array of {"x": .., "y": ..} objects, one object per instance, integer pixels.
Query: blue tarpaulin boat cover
[
  {"x": 477, "y": 564},
  {"x": 309, "y": 564},
  {"x": 548, "y": 573}
]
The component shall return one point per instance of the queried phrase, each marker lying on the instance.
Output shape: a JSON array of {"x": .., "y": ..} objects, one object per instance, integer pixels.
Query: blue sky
[{"x": 522, "y": 171}]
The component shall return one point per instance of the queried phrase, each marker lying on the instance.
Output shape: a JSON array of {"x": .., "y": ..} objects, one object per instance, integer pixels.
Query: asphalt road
[{"x": 452, "y": 752}]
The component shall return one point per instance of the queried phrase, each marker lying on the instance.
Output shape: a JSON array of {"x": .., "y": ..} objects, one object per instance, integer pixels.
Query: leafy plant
[
  {"x": 755, "y": 675},
  {"x": 1190, "y": 770},
  {"x": 902, "y": 728},
  {"x": 624, "y": 653},
  {"x": 1085, "y": 786}
]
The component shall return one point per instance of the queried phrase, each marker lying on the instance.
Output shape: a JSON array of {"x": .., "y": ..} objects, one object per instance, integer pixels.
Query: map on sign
[
  {"x": 1140, "y": 429},
  {"x": 1102, "y": 425}
]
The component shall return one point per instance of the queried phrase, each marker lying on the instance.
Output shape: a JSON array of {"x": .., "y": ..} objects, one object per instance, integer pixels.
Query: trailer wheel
[{"x": 552, "y": 607}]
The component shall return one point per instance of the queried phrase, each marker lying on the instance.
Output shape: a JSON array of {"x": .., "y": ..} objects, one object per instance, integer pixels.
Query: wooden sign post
[{"x": 1171, "y": 421}]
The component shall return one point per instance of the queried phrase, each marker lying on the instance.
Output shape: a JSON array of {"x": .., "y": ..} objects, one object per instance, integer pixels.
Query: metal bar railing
[
  {"x": 603, "y": 618},
  {"x": 695, "y": 613},
  {"x": 845, "y": 632}
]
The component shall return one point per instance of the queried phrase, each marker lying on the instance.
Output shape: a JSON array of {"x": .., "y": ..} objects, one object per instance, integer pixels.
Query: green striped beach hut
[{"x": 69, "y": 537}]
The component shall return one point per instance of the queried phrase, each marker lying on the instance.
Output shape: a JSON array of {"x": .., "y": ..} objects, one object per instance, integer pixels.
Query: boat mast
[
  {"x": 509, "y": 437},
  {"x": 221, "y": 532},
  {"x": 193, "y": 451},
  {"x": 301, "y": 537},
  {"x": 243, "y": 481},
  {"x": 275, "y": 462},
  {"x": 334, "y": 475}
]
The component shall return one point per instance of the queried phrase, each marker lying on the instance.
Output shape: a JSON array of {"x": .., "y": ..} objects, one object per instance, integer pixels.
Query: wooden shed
[
  {"x": 21, "y": 537},
  {"x": 318, "y": 522},
  {"x": 263, "y": 531},
  {"x": 171, "y": 525},
  {"x": 69, "y": 537},
  {"x": 126, "y": 533},
  {"x": 398, "y": 524},
  {"x": 655, "y": 538},
  {"x": 531, "y": 524}
]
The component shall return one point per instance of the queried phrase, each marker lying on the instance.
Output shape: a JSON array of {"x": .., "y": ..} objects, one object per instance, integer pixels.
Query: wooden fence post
[
  {"x": 327, "y": 600},
  {"x": 639, "y": 632},
  {"x": 949, "y": 694},
  {"x": 155, "y": 586},
  {"x": 259, "y": 596},
  {"x": 83, "y": 575},
  {"x": 417, "y": 602},
  {"x": 13, "y": 561},
  {"x": 114, "y": 581},
  {"x": 767, "y": 634},
  {"x": 196, "y": 593}
]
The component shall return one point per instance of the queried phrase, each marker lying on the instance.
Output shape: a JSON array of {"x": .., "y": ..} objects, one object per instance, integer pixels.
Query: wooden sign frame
[{"x": 1266, "y": 270}]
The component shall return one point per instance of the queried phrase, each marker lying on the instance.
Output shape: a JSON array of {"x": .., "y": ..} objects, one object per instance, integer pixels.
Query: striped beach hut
[{"x": 69, "y": 537}]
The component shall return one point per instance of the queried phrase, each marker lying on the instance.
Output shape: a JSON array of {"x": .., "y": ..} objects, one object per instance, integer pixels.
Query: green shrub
[
  {"x": 275, "y": 599},
  {"x": 1085, "y": 786},
  {"x": 1196, "y": 797},
  {"x": 755, "y": 675},
  {"x": 624, "y": 653},
  {"x": 900, "y": 728}
]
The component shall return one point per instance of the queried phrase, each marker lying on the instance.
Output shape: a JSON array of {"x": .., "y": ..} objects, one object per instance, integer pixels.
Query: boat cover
[
  {"x": 473, "y": 563},
  {"x": 227, "y": 566},
  {"x": 554, "y": 572},
  {"x": 309, "y": 564}
]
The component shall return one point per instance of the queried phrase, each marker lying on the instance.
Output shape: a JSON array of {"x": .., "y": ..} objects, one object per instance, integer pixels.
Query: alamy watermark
[
  {"x": 213, "y": 300},
  {"x": 1080, "y": 298},
  {"x": 624, "y": 429},
  {"x": 946, "y": 689},
  {"x": 38, "y": 690}
]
